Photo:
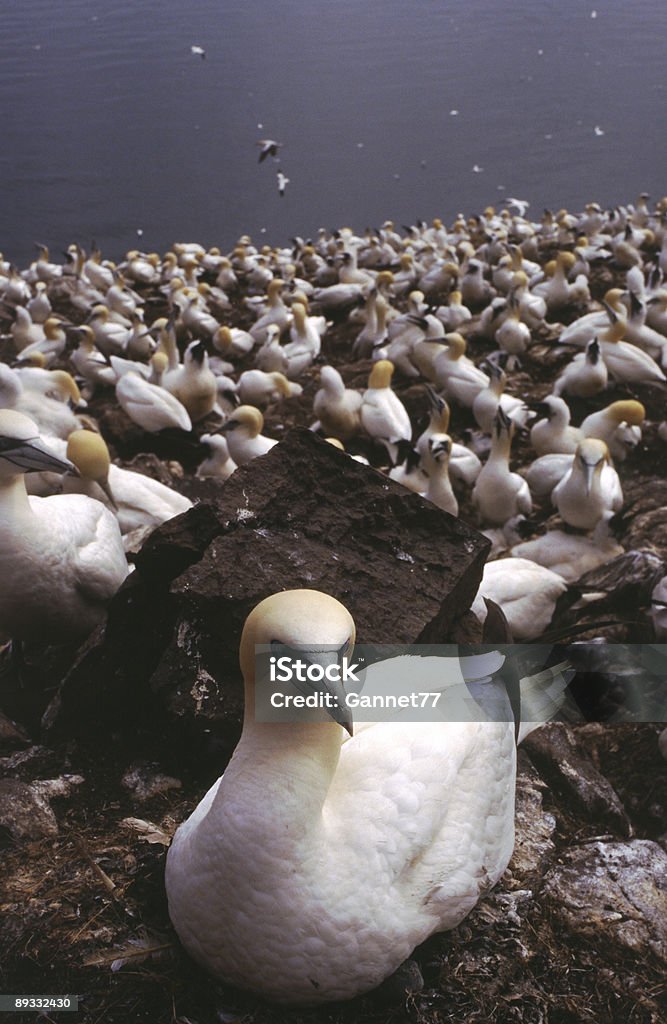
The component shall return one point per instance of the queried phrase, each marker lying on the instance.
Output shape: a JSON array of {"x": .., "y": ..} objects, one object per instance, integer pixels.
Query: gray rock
[
  {"x": 25, "y": 810},
  {"x": 560, "y": 760},
  {"x": 534, "y": 827},
  {"x": 613, "y": 892}
]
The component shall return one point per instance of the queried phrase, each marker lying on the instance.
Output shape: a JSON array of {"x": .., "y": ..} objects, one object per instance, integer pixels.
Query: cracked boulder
[
  {"x": 305, "y": 515},
  {"x": 614, "y": 893}
]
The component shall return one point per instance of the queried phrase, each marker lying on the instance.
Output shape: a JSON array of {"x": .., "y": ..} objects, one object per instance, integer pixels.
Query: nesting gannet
[
  {"x": 315, "y": 865},
  {"x": 626, "y": 362},
  {"x": 454, "y": 314},
  {"x": 110, "y": 338},
  {"x": 305, "y": 340},
  {"x": 136, "y": 499},
  {"x": 456, "y": 375},
  {"x": 586, "y": 375},
  {"x": 619, "y": 426},
  {"x": 487, "y": 400},
  {"x": 218, "y": 463},
  {"x": 61, "y": 557},
  {"x": 255, "y": 387},
  {"x": 231, "y": 341},
  {"x": 244, "y": 435},
  {"x": 276, "y": 313},
  {"x": 571, "y": 554},
  {"x": 553, "y": 434},
  {"x": 336, "y": 407},
  {"x": 383, "y": 415},
  {"x": 586, "y": 327},
  {"x": 513, "y": 335},
  {"x": 526, "y": 592},
  {"x": 584, "y": 495},
  {"x": 51, "y": 346},
  {"x": 45, "y": 404},
  {"x": 499, "y": 494},
  {"x": 149, "y": 405}
]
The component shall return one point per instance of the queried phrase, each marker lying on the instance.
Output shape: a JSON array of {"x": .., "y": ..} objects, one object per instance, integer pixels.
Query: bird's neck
[
  {"x": 14, "y": 500},
  {"x": 287, "y": 765}
]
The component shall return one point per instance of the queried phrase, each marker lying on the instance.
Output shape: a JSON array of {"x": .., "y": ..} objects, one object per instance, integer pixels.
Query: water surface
[{"x": 112, "y": 126}]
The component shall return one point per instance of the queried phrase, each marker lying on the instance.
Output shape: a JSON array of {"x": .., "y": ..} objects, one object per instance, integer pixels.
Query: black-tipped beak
[{"x": 33, "y": 456}]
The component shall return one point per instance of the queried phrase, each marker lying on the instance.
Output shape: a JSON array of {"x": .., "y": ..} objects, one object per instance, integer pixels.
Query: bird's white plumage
[
  {"x": 61, "y": 557},
  {"x": 313, "y": 867}
]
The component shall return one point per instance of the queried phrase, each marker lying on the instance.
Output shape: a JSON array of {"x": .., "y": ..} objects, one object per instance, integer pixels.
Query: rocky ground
[{"x": 91, "y": 794}]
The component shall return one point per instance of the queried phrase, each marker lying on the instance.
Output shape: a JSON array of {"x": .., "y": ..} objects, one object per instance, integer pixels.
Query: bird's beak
[
  {"x": 589, "y": 473},
  {"x": 326, "y": 658},
  {"x": 33, "y": 456},
  {"x": 104, "y": 484}
]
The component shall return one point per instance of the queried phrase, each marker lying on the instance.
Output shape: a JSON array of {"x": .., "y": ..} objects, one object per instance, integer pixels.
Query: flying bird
[
  {"x": 283, "y": 182},
  {"x": 269, "y": 148},
  {"x": 198, "y": 51},
  {"x": 521, "y": 205}
]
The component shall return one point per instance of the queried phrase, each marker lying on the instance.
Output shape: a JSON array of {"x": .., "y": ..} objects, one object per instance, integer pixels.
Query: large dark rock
[{"x": 305, "y": 515}]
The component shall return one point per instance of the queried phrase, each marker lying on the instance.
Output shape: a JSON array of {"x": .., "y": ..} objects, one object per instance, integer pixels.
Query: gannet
[
  {"x": 454, "y": 314},
  {"x": 586, "y": 375},
  {"x": 100, "y": 275},
  {"x": 231, "y": 341},
  {"x": 626, "y": 362},
  {"x": 50, "y": 347},
  {"x": 336, "y": 407},
  {"x": 136, "y": 499},
  {"x": 374, "y": 332},
  {"x": 276, "y": 313},
  {"x": 110, "y": 338},
  {"x": 487, "y": 400},
  {"x": 571, "y": 554},
  {"x": 383, "y": 415},
  {"x": 193, "y": 383},
  {"x": 61, "y": 557},
  {"x": 456, "y": 375},
  {"x": 584, "y": 495},
  {"x": 439, "y": 489},
  {"x": 39, "y": 306},
  {"x": 218, "y": 463},
  {"x": 513, "y": 336},
  {"x": 619, "y": 426},
  {"x": 553, "y": 434},
  {"x": 499, "y": 494},
  {"x": 315, "y": 865},
  {"x": 45, "y": 404},
  {"x": 475, "y": 291},
  {"x": 526, "y": 592},
  {"x": 244, "y": 435},
  {"x": 149, "y": 405},
  {"x": 586, "y": 327},
  {"x": 305, "y": 340},
  {"x": 255, "y": 387}
]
